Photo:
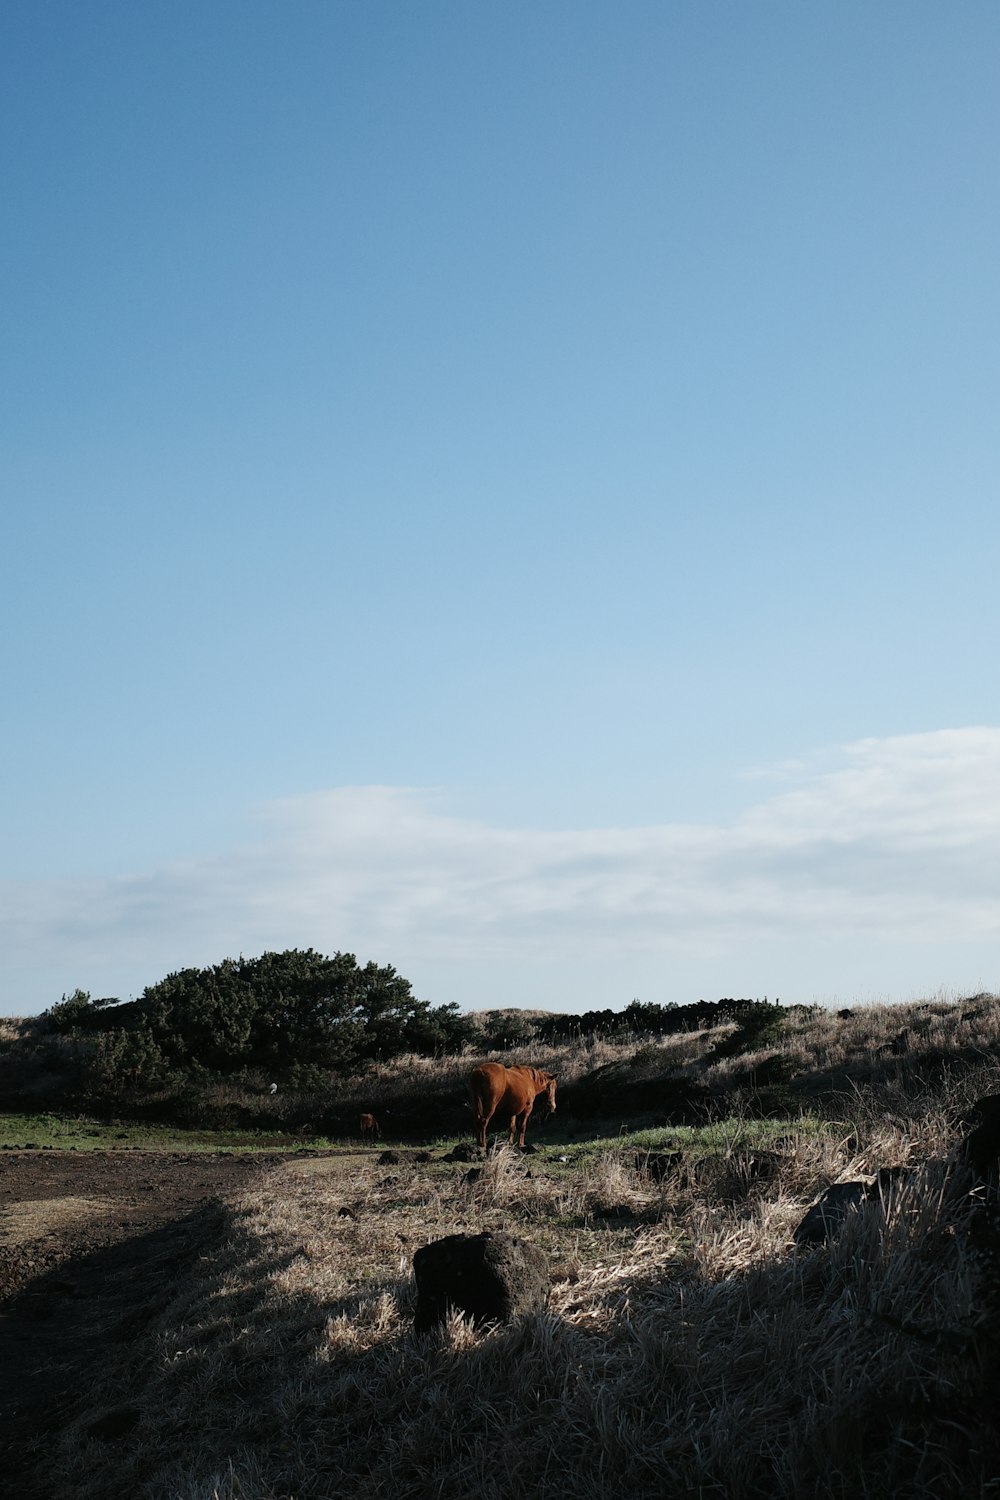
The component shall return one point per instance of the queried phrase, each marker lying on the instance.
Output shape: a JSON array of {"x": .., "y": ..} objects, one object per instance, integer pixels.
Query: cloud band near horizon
[{"x": 900, "y": 839}]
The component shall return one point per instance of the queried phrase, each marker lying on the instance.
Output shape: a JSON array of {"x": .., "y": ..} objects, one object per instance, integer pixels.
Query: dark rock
[
  {"x": 390, "y": 1159},
  {"x": 844, "y": 1015},
  {"x": 463, "y": 1152},
  {"x": 487, "y": 1277},
  {"x": 754, "y": 1166},
  {"x": 473, "y": 1175},
  {"x": 826, "y": 1217},
  {"x": 828, "y": 1214},
  {"x": 659, "y": 1164},
  {"x": 422, "y": 1156}
]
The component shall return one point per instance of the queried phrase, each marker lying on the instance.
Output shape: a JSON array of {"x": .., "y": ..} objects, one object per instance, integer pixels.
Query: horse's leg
[{"x": 524, "y": 1125}]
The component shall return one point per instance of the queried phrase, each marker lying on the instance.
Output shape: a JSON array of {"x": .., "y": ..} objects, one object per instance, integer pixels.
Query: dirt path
[
  {"x": 54, "y": 1205},
  {"x": 90, "y": 1247}
]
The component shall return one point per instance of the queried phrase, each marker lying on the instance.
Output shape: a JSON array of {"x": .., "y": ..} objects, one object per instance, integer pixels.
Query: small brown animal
[
  {"x": 496, "y": 1090},
  {"x": 369, "y": 1128}
]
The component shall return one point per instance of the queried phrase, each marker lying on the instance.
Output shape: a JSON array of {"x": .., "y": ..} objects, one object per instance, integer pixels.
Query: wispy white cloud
[{"x": 900, "y": 841}]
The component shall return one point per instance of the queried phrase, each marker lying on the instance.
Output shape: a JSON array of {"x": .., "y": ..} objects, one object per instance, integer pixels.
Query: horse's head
[{"x": 550, "y": 1091}]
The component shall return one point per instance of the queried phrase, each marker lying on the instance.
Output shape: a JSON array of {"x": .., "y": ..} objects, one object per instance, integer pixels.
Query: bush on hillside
[
  {"x": 754, "y": 1017},
  {"x": 125, "y": 1065},
  {"x": 295, "y": 1014},
  {"x": 756, "y": 1028},
  {"x": 78, "y": 1011},
  {"x": 500, "y": 1030},
  {"x": 281, "y": 1010}
]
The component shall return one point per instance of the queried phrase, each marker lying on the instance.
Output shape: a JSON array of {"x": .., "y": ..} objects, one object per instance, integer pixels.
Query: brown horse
[
  {"x": 496, "y": 1090},
  {"x": 368, "y": 1126}
]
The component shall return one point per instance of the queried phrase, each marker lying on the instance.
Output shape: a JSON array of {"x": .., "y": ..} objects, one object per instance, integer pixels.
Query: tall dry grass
[
  {"x": 899, "y": 1058},
  {"x": 688, "y": 1350}
]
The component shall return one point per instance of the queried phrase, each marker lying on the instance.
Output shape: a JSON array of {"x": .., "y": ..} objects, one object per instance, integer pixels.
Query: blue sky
[{"x": 508, "y": 491}]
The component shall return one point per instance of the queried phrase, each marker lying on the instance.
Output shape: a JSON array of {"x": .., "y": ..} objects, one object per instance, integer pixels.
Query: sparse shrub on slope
[
  {"x": 647, "y": 1020},
  {"x": 758, "y": 1025},
  {"x": 500, "y": 1030}
]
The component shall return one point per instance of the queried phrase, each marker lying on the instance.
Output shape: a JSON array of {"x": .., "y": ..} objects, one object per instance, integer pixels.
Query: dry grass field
[{"x": 689, "y": 1348}]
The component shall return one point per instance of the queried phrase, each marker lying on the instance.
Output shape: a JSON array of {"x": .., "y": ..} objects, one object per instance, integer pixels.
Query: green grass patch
[
  {"x": 713, "y": 1139},
  {"x": 563, "y": 1152}
]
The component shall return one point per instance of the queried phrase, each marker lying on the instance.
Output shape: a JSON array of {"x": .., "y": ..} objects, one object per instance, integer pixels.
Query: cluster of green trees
[{"x": 296, "y": 1011}]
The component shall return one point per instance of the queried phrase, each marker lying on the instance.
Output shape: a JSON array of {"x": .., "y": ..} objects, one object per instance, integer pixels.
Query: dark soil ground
[{"x": 90, "y": 1246}]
